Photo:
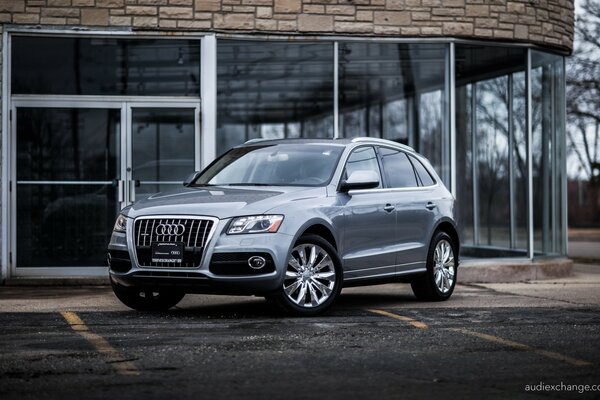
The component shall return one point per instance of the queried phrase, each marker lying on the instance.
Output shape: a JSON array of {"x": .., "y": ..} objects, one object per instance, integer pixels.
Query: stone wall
[{"x": 545, "y": 22}]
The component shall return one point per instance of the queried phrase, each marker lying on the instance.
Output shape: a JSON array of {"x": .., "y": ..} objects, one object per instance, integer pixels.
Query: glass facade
[
  {"x": 548, "y": 151},
  {"x": 67, "y": 163},
  {"x": 94, "y": 154},
  {"x": 105, "y": 66},
  {"x": 491, "y": 151},
  {"x": 401, "y": 92},
  {"x": 273, "y": 90},
  {"x": 397, "y": 92}
]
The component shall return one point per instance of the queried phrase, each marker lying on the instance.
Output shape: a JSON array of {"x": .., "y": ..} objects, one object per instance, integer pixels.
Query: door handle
[
  {"x": 120, "y": 184},
  {"x": 430, "y": 206},
  {"x": 389, "y": 208},
  {"x": 132, "y": 185}
]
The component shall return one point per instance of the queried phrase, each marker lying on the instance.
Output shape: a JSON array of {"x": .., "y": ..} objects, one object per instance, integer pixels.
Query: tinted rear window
[{"x": 398, "y": 169}]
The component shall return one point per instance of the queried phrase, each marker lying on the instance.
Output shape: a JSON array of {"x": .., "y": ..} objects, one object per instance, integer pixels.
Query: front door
[
  {"x": 76, "y": 164},
  {"x": 370, "y": 224}
]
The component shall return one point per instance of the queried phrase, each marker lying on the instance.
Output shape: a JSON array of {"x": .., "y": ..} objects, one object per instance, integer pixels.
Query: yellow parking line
[
  {"x": 521, "y": 346},
  {"x": 101, "y": 344},
  {"x": 413, "y": 322}
]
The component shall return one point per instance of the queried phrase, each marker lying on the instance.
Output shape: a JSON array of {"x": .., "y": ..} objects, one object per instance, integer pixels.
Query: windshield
[{"x": 274, "y": 165}]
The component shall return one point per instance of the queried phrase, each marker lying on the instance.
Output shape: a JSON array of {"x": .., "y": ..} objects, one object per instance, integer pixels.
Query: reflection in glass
[
  {"x": 273, "y": 90},
  {"x": 396, "y": 91},
  {"x": 162, "y": 147},
  {"x": 67, "y": 144},
  {"x": 105, "y": 66},
  {"x": 491, "y": 149},
  {"x": 66, "y": 223},
  {"x": 548, "y": 147}
]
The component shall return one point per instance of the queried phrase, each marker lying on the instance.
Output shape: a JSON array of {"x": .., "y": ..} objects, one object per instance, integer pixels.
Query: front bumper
[{"x": 125, "y": 271}]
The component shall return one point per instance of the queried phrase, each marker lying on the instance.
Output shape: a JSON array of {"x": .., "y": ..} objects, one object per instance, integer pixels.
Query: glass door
[
  {"x": 163, "y": 145},
  {"x": 75, "y": 164},
  {"x": 67, "y": 173}
]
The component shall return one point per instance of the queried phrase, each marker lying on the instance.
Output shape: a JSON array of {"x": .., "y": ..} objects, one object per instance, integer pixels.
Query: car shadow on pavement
[{"x": 258, "y": 308}]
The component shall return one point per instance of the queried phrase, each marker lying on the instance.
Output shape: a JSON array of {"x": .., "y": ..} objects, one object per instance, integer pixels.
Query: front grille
[{"x": 194, "y": 237}]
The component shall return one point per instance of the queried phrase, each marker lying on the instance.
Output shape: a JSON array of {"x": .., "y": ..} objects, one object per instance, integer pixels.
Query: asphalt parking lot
[{"x": 489, "y": 340}]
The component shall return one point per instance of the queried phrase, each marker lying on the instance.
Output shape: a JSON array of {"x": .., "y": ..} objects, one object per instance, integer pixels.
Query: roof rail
[
  {"x": 382, "y": 141},
  {"x": 256, "y": 140}
]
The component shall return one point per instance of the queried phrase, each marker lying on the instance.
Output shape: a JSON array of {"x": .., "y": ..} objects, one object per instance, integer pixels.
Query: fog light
[{"x": 257, "y": 262}]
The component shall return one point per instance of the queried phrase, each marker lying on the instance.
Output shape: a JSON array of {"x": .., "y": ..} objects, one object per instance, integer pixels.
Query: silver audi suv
[{"x": 294, "y": 221}]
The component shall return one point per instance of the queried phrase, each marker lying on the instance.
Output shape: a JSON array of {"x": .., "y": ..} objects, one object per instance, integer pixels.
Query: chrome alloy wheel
[
  {"x": 310, "y": 276},
  {"x": 443, "y": 266}
]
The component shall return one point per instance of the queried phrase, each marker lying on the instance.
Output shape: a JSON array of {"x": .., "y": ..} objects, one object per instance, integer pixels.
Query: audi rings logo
[{"x": 170, "y": 229}]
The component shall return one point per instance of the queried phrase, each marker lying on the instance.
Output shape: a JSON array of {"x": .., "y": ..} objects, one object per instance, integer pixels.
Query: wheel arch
[
  {"x": 448, "y": 226},
  {"x": 320, "y": 229}
]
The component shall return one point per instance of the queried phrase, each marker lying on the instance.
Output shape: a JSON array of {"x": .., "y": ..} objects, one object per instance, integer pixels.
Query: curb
[{"x": 513, "y": 270}]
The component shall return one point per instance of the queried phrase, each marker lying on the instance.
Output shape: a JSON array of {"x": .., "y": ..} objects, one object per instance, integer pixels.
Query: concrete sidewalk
[{"x": 503, "y": 270}]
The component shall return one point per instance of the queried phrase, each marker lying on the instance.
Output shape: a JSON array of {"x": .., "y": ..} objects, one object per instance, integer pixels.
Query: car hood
[{"x": 221, "y": 201}]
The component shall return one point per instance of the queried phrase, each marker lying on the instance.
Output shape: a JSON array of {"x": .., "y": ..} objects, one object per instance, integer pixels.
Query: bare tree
[{"x": 583, "y": 91}]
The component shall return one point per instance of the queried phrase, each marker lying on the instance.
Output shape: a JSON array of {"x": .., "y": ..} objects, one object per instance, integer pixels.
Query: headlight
[
  {"x": 255, "y": 224},
  {"x": 121, "y": 224}
]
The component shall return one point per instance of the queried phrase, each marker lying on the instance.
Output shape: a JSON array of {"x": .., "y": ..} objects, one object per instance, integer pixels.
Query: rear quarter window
[{"x": 424, "y": 175}]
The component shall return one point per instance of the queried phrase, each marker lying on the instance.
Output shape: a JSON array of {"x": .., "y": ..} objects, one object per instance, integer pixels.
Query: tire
[
  {"x": 146, "y": 300},
  {"x": 306, "y": 291},
  {"x": 438, "y": 283}
]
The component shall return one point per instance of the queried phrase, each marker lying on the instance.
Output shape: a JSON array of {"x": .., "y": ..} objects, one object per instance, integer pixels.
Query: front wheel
[
  {"x": 313, "y": 278},
  {"x": 437, "y": 284},
  {"x": 146, "y": 299}
]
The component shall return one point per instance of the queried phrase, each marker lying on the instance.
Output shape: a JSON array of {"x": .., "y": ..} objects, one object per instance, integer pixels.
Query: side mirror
[
  {"x": 360, "y": 180},
  {"x": 191, "y": 178}
]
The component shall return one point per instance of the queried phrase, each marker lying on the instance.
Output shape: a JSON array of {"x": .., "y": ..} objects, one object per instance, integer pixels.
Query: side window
[
  {"x": 362, "y": 159},
  {"x": 397, "y": 168},
  {"x": 424, "y": 175}
]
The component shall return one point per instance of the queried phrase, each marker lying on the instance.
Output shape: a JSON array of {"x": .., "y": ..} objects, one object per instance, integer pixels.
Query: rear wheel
[
  {"x": 438, "y": 283},
  {"x": 146, "y": 299},
  {"x": 313, "y": 278}
]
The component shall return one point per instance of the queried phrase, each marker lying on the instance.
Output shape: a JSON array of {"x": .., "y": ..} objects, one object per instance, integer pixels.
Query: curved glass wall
[
  {"x": 403, "y": 92},
  {"x": 548, "y": 152},
  {"x": 491, "y": 153}
]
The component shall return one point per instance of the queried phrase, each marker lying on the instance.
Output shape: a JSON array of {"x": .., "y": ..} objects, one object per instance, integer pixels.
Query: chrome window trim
[{"x": 131, "y": 239}]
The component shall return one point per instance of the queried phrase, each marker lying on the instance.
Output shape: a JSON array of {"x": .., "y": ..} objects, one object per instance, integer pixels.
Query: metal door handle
[
  {"x": 120, "y": 190},
  {"x": 132, "y": 185},
  {"x": 430, "y": 206},
  {"x": 389, "y": 208}
]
